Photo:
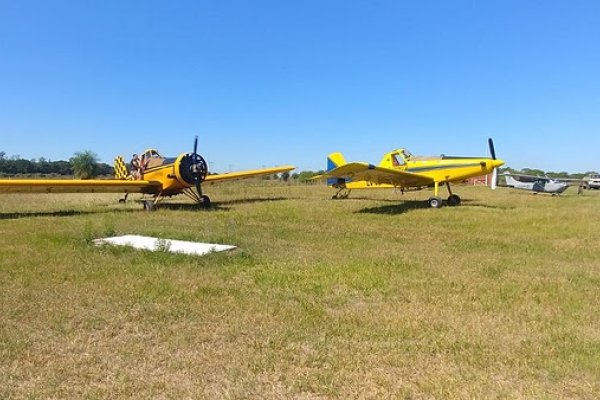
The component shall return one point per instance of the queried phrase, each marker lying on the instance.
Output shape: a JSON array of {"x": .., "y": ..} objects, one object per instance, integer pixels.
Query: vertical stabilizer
[
  {"x": 510, "y": 181},
  {"x": 335, "y": 160},
  {"x": 120, "y": 168}
]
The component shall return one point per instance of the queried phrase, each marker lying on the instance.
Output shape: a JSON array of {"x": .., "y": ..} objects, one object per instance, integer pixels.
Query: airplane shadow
[
  {"x": 251, "y": 200},
  {"x": 393, "y": 209},
  {"x": 410, "y": 205},
  {"x": 190, "y": 207},
  {"x": 217, "y": 206},
  {"x": 369, "y": 199},
  {"x": 59, "y": 213}
]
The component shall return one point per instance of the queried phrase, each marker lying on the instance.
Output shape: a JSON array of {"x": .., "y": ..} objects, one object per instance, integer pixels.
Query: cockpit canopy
[
  {"x": 150, "y": 154},
  {"x": 400, "y": 157}
]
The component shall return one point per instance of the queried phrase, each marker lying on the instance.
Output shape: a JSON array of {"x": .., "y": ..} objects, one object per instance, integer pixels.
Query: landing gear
[
  {"x": 205, "y": 201},
  {"x": 342, "y": 193},
  {"x": 202, "y": 200},
  {"x": 453, "y": 200},
  {"x": 151, "y": 204},
  {"x": 124, "y": 199},
  {"x": 148, "y": 205},
  {"x": 436, "y": 202}
]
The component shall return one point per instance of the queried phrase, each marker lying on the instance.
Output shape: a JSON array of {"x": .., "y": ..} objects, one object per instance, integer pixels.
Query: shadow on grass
[
  {"x": 190, "y": 207},
  {"x": 409, "y": 205},
  {"x": 369, "y": 199},
  {"x": 216, "y": 206},
  {"x": 220, "y": 206},
  {"x": 59, "y": 213},
  {"x": 251, "y": 200},
  {"x": 393, "y": 209}
]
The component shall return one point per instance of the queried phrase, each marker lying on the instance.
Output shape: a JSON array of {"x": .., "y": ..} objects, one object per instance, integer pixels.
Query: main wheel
[
  {"x": 453, "y": 200},
  {"x": 148, "y": 205},
  {"x": 205, "y": 201},
  {"x": 435, "y": 202}
]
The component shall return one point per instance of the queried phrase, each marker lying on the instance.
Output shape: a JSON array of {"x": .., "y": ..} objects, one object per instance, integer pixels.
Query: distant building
[{"x": 483, "y": 180}]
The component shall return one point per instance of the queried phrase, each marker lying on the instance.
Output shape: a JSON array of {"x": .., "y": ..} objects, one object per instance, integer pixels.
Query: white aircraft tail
[{"x": 510, "y": 181}]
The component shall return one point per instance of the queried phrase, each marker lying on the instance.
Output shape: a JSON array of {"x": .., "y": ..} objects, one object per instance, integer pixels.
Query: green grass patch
[{"x": 376, "y": 296}]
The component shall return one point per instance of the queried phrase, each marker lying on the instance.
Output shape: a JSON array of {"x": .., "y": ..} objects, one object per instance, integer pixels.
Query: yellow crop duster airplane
[
  {"x": 150, "y": 174},
  {"x": 400, "y": 169}
]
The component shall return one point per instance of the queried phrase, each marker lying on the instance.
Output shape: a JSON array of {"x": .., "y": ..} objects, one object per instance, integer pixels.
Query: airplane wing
[
  {"x": 78, "y": 186},
  {"x": 229, "y": 176},
  {"x": 532, "y": 178},
  {"x": 359, "y": 171}
]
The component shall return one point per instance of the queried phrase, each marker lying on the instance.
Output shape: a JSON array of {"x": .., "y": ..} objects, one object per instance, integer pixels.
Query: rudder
[
  {"x": 335, "y": 160},
  {"x": 120, "y": 168}
]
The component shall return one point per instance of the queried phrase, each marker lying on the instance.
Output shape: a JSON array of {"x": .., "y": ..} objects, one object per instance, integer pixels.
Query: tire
[
  {"x": 205, "y": 201},
  {"x": 148, "y": 205},
  {"x": 453, "y": 200},
  {"x": 435, "y": 202}
]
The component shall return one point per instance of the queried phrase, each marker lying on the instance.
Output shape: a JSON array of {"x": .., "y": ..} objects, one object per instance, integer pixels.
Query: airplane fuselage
[
  {"x": 538, "y": 186},
  {"x": 451, "y": 169},
  {"x": 439, "y": 168},
  {"x": 172, "y": 172}
]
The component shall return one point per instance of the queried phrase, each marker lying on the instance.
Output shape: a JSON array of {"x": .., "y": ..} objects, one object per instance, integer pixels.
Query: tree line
[
  {"x": 83, "y": 165},
  {"x": 549, "y": 174}
]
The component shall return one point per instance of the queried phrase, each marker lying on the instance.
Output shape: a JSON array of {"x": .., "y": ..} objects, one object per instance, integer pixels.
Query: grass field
[{"x": 375, "y": 297}]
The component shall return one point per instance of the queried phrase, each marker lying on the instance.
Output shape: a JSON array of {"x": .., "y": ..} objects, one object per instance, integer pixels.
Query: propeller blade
[
  {"x": 491, "y": 146},
  {"x": 494, "y": 179},
  {"x": 196, "y": 145}
]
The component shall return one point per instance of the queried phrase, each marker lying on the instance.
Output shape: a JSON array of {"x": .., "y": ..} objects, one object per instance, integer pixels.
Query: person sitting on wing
[{"x": 136, "y": 167}]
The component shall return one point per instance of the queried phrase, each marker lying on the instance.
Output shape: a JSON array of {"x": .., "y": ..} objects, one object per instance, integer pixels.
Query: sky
[{"x": 271, "y": 82}]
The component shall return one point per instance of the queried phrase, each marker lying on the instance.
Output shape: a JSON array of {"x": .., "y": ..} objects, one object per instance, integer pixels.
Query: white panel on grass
[{"x": 156, "y": 244}]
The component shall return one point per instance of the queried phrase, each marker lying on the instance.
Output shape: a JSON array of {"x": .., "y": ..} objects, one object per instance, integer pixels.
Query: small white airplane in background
[{"x": 538, "y": 184}]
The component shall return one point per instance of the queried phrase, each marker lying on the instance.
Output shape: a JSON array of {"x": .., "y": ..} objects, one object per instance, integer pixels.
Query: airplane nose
[
  {"x": 192, "y": 168},
  {"x": 497, "y": 163}
]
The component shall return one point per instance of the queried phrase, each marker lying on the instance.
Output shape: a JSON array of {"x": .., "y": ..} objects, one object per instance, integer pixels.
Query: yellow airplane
[
  {"x": 150, "y": 174},
  {"x": 400, "y": 169}
]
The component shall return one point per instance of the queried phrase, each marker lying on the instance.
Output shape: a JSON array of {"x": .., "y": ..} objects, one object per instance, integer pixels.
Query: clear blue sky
[{"x": 276, "y": 82}]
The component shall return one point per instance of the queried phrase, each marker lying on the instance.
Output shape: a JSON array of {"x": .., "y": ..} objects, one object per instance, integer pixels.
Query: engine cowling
[{"x": 190, "y": 169}]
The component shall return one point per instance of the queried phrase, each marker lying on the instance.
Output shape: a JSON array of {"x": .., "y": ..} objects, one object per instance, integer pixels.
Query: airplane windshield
[
  {"x": 397, "y": 160},
  {"x": 151, "y": 154},
  {"x": 406, "y": 154}
]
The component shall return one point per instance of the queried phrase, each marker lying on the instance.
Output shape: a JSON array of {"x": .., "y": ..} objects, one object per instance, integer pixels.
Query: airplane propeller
[
  {"x": 495, "y": 171},
  {"x": 492, "y": 150},
  {"x": 199, "y": 170}
]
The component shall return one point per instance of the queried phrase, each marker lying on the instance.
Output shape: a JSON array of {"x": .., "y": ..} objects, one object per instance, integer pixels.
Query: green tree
[
  {"x": 533, "y": 171},
  {"x": 304, "y": 176},
  {"x": 85, "y": 164}
]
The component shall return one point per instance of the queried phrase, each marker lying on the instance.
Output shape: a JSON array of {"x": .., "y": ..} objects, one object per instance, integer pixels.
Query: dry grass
[{"x": 372, "y": 297}]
